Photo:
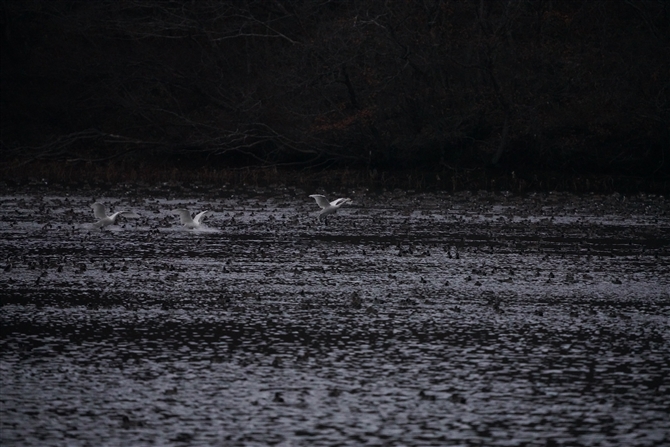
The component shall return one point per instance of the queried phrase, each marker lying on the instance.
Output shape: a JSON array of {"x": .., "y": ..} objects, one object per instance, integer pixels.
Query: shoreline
[{"x": 447, "y": 179}]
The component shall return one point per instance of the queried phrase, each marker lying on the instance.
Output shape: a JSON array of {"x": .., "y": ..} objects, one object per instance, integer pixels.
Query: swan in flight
[
  {"x": 328, "y": 208},
  {"x": 105, "y": 220},
  {"x": 189, "y": 222}
]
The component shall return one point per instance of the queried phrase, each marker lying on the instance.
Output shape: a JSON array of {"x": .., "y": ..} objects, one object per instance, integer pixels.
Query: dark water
[{"x": 410, "y": 319}]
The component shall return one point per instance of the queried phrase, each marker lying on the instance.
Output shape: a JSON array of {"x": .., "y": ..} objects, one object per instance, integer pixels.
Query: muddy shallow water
[{"x": 410, "y": 319}]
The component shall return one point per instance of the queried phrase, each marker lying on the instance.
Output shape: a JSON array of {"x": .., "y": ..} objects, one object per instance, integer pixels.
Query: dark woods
[{"x": 527, "y": 85}]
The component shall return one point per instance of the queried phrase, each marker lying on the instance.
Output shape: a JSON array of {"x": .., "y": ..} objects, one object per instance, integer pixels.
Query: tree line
[{"x": 379, "y": 84}]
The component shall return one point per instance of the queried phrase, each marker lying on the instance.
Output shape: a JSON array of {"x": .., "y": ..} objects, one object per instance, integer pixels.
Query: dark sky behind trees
[{"x": 537, "y": 84}]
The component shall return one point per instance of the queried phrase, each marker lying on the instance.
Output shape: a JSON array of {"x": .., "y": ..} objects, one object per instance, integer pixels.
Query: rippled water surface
[{"x": 476, "y": 319}]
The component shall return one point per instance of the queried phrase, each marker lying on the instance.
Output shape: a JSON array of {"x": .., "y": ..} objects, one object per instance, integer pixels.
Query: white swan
[
  {"x": 105, "y": 220},
  {"x": 189, "y": 222},
  {"x": 328, "y": 208}
]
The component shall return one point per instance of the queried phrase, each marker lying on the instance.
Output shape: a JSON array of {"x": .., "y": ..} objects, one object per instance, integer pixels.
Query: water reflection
[{"x": 445, "y": 319}]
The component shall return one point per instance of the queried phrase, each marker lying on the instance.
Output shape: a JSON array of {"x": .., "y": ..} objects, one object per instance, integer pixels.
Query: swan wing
[
  {"x": 320, "y": 200},
  {"x": 184, "y": 216},
  {"x": 339, "y": 202},
  {"x": 99, "y": 210},
  {"x": 113, "y": 217},
  {"x": 198, "y": 217}
]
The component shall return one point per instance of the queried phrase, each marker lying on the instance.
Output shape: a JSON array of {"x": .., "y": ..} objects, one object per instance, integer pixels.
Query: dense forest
[{"x": 576, "y": 86}]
